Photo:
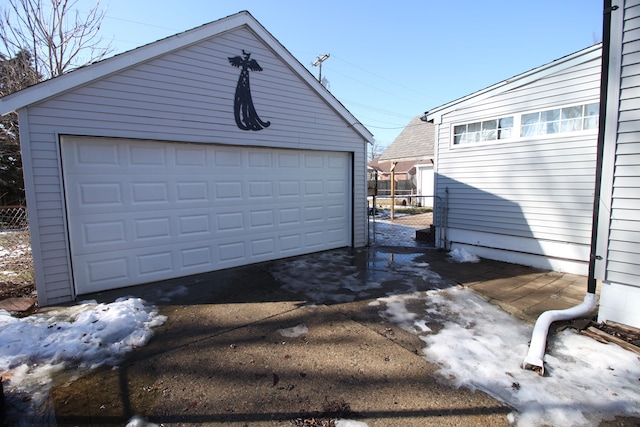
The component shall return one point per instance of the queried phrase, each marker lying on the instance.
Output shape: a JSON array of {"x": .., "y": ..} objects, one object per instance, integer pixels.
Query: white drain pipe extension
[{"x": 535, "y": 355}]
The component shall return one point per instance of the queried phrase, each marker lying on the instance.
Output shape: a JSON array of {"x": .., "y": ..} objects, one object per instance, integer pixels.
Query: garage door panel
[
  {"x": 141, "y": 211},
  {"x": 100, "y": 233},
  {"x": 193, "y": 225},
  {"x": 288, "y": 188},
  {"x": 100, "y": 195},
  {"x": 262, "y": 220},
  {"x": 263, "y": 248},
  {"x": 335, "y": 236},
  {"x": 155, "y": 263},
  {"x": 93, "y": 154},
  {"x": 159, "y": 227},
  {"x": 104, "y": 270},
  {"x": 314, "y": 239},
  {"x": 140, "y": 265},
  {"x": 196, "y": 256},
  {"x": 103, "y": 233},
  {"x": 290, "y": 215},
  {"x": 336, "y": 212},
  {"x": 192, "y": 191},
  {"x": 227, "y": 158},
  {"x": 289, "y": 243},
  {"x": 148, "y": 155}
]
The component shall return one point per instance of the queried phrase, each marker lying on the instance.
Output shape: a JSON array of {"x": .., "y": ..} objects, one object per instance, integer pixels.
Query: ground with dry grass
[{"x": 16, "y": 265}]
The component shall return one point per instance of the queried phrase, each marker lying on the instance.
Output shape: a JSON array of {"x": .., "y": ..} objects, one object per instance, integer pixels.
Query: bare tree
[
  {"x": 39, "y": 39},
  {"x": 375, "y": 150},
  {"x": 15, "y": 73},
  {"x": 57, "y": 36}
]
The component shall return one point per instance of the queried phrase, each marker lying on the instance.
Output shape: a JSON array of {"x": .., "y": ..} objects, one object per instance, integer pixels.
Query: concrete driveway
[{"x": 301, "y": 342}]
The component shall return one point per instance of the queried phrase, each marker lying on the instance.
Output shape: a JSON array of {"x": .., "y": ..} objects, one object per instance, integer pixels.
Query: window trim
[{"x": 517, "y": 127}]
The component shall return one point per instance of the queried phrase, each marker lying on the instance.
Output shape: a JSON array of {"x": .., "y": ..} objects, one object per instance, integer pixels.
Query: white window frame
[
  {"x": 517, "y": 127},
  {"x": 484, "y": 134}
]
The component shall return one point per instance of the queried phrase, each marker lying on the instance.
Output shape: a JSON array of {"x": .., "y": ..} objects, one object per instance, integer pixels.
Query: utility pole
[{"x": 318, "y": 63}]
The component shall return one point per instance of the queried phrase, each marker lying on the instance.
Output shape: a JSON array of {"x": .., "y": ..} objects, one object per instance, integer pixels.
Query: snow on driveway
[
  {"x": 479, "y": 346},
  {"x": 476, "y": 345}
]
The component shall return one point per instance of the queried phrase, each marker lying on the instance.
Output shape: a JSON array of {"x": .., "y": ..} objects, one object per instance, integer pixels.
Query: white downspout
[{"x": 535, "y": 355}]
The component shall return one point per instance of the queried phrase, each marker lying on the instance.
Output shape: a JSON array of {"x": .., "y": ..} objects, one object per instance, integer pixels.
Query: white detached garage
[{"x": 163, "y": 162}]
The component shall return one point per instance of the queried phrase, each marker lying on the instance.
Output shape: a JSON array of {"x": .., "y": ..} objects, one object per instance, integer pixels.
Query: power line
[
  {"x": 370, "y": 85},
  {"x": 413, "y": 89}
]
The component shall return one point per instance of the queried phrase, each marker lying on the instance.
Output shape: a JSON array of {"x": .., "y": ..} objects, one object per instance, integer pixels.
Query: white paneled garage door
[{"x": 142, "y": 211}]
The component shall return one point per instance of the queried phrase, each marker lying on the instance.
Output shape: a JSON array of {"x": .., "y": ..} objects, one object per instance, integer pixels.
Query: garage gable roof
[
  {"x": 580, "y": 57},
  {"x": 81, "y": 76}
]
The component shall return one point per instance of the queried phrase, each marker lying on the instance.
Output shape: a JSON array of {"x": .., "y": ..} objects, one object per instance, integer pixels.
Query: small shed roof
[
  {"x": 584, "y": 55},
  {"x": 414, "y": 143},
  {"x": 58, "y": 85}
]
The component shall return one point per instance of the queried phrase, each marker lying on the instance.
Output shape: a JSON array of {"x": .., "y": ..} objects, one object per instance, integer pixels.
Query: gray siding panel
[
  {"x": 184, "y": 96},
  {"x": 538, "y": 188},
  {"x": 623, "y": 264}
]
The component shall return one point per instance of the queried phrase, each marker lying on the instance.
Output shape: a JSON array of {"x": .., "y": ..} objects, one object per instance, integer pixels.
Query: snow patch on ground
[
  {"x": 461, "y": 255},
  {"x": 350, "y": 423},
  {"x": 479, "y": 346},
  {"x": 83, "y": 336},
  {"x": 295, "y": 331},
  {"x": 482, "y": 347}
]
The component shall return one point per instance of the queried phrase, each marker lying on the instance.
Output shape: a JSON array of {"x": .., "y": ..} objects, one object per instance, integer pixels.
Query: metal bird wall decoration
[{"x": 243, "y": 110}]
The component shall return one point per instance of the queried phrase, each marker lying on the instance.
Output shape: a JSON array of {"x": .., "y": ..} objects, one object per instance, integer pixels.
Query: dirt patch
[
  {"x": 625, "y": 333},
  {"x": 16, "y": 265}
]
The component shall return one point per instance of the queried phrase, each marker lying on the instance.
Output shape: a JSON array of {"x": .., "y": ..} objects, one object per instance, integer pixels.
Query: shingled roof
[{"x": 415, "y": 142}]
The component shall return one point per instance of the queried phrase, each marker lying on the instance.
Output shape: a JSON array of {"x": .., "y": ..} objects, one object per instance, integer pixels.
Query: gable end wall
[{"x": 184, "y": 96}]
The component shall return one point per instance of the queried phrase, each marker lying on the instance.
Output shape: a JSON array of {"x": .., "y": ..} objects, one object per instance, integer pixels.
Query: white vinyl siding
[
  {"x": 619, "y": 218},
  {"x": 529, "y": 188},
  {"x": 184, "y": 96},
  {"x": 623, "y": 264}
]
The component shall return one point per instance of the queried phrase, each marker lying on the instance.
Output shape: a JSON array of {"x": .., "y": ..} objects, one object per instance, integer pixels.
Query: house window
[
  {"x": 575, "y": 118},
  {"x": 488, "y": 130},
  {"x": 566, "y": 119}
]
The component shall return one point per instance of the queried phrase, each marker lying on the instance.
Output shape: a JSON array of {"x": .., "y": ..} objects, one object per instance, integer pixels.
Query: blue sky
[{"x": 390, "y": 60}]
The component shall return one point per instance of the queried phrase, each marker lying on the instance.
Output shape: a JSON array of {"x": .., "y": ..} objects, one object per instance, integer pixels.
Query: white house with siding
[
  {"x": 515, "y": 166},
  {"x": 164, "y": 162},
  {"x": 618, "y": 242}
]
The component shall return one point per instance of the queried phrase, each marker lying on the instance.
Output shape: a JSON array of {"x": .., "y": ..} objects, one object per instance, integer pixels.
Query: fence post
[{"x": 393, "y": 189}]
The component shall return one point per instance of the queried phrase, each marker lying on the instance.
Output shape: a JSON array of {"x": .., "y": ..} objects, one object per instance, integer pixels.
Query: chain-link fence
[
  {"x": 13, "y": 218},
  {"x": 400, "y": 220}
]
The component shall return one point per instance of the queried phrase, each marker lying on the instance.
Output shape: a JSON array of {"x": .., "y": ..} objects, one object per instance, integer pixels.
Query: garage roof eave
[{"x": 84, "y": 75}]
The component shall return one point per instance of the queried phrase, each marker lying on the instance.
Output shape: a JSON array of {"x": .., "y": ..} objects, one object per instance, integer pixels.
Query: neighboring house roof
[
  {"x": 584, "y": 55},
  {"x": 415, "y": 142},
  {"x": 56, "y": 86},
  {"x": 407, "y": 166}
]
